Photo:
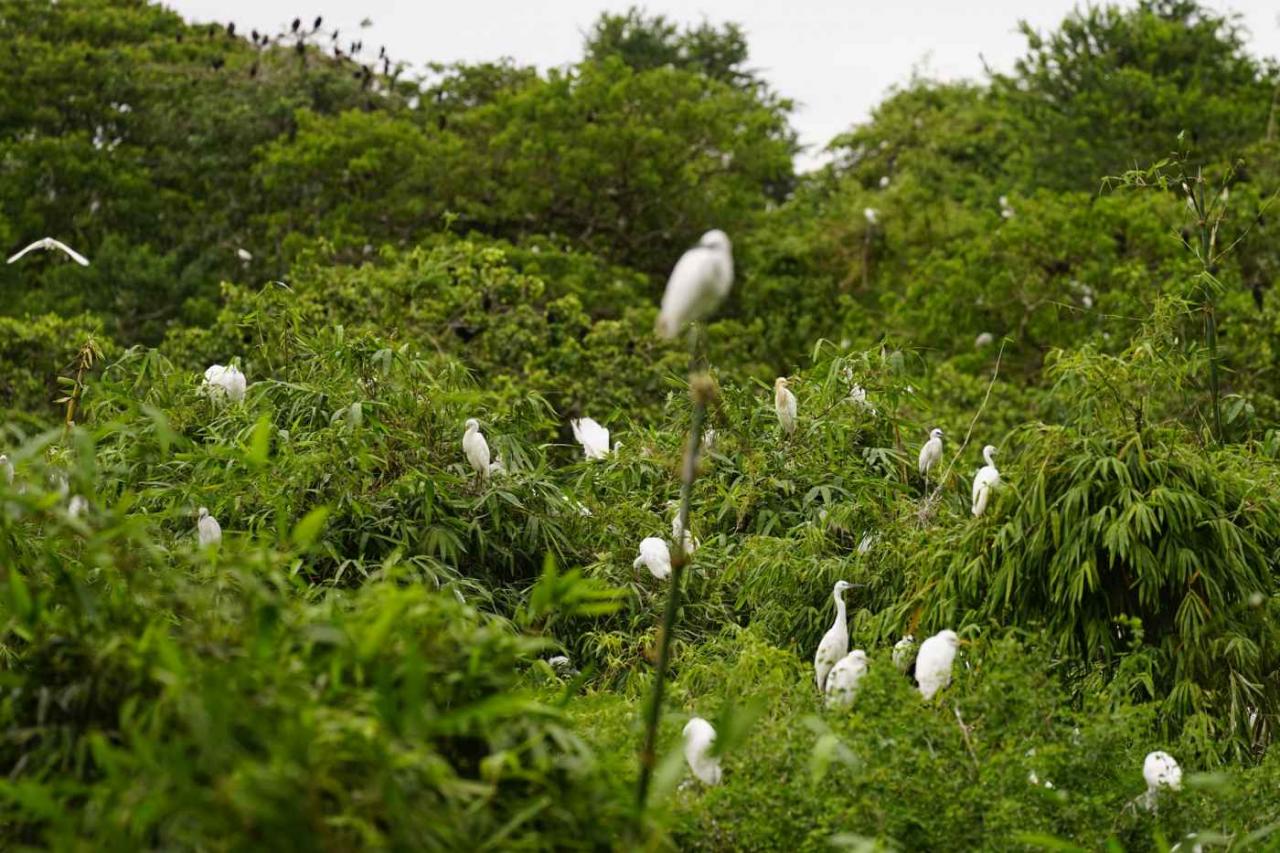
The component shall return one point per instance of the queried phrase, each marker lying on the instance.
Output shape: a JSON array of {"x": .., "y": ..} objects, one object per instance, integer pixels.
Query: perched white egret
[
  {"x": 884, "y": 181},
  {"x": 476, "y": 448},
  {"x": 784, "y": 403},
  {"x": 858, "y": 396},
  {"x": 6, "y": 469},
  {"x": 77, "y": 506},
  {"x": 699, "y": 281},
  {"x": 224, "y": 382},
  {"x": 593, "y": 437},
  {"x": 563, "y": 666},
  {"x": 678, "y": 533},
  {"x": 933, "y": 663},
  {"x": 868, "y": 541},
  {"x": 904, "y": 653},
  {"x": 842, "y": 683},
  {"x": 208, "y": 531},
  {"x": 985, "y": 481},
  {"x": 835, "y": 643},
  {"x": 654, "y": 556},
  {"x": 49, "y": 244},
  {"x": 930, "y": 454},
  {"x": 1160, "y": 770},
  {"x": 244, "y": 255},
  {"x": 699, "y": 738},
  {"x": 872, "y": 215},
  {"x": 983, "y": 340}
]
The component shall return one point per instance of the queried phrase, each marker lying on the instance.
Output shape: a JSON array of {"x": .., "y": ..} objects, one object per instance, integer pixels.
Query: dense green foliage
[{"x": 364, "y": 659}]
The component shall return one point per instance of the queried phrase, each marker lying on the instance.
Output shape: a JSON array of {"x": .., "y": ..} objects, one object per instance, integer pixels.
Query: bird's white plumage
[
  {"x": 6, "y": 469},
  {"x": 476, "y": 448},
  {"x": 904, "y": 653},
  {"x": 933, "y": 663},
  {"x": 77, "y": 506},
  {"x": 985, "y": 481},
  {"x": 835, "y": 643},
  {"x": 679, "y": 534},
  {"x": 225, "y": 382},
  {"x": 1161, "y": 770},
  {"x": 784, "y": 403},
  {"x": 208, "y": 531},
  {"x": 699, "y": 281},
  {"x": 49, "y": 244},
  {"x": 593, "y": 437},
  {"x": 842, "y": 682},
  {"x": 654, "y": 556},
  {"x": 984, "y": 339},
  {"x": 699, "y": 738},
  {"x": 931, "y": 453}
]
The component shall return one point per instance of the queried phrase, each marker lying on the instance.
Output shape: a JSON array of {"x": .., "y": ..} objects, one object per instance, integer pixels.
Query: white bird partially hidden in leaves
[
  {"x": 593, "y": 437},
  {"x": 476, "y": 448},
  {"x": 931, "y": 453},
  {"x": 77, "y": 506},
  {"x": 933, "y": 663},
  {"x": 1160, "y": 770},
  {"x": 700, "y": 280},
  {"x": 985, "y": 481},
  {"x": 49, "y": 244},
  {"x": 208, "y": 530},
  {"x": 225, "y": 383},
  {"x": 984, "y": 339},
  {"x": 904, "y": 654},
  {"x": 784, "y": 403},
  {"x": 842, "y": 683},
  {"x": 835, "y": 643},
  {"x": 654, "y": 556},
  {"x": 679, "y": 534},
  {"x": 699, "y": 738},
  {"x": 6, "y": 469}
]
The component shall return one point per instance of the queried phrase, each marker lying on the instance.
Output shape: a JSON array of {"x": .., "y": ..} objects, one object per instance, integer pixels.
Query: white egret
[
  {"x": 835, "y": 643},
  {"x": 563, "y": 666},
  {"x": 884, "y": 181},
  {"x": 858, "y": 395},
  {"x": 784, "y": 403},
  {"x": 593, "y": 437},
  {"x": 679, "y": 534},
  {"x": 930, "y": 454},
  {"x": 699, "y": 281},
  {"x": 49, "y": 244},
  {"x": 842, "y": 683},
  {"x": 699, "y": 738},
  {"x": 476, "y": 448},
  {"x": 208, "y": 531},
  {"x": 1006, "y": 209},
  {"x": 654, "y": 556},
  {"x": 904, "y": 653},
  {"x": 872, "y": 215},
  {"x": 6, "y": 469},
  {"x": 77, "y": 506},
  {"x": 984, "y": 339},
  {"x": 244, "y": 255},
  {"x": 868, "y": 541},
  {"x": 1160, "y": 770},
  {"x": 224, "y": 382},
  {"x": 985, "y": 481},
  {"x": 933, "y": 663}
]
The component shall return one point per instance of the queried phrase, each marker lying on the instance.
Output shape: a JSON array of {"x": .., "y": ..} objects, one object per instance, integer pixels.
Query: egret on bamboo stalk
[
  {"x": 476, "y": 448},
  {"x": 654, "y": 556},
  {"x": 700, "y": 280},
  {"x": 930, "y": 454},
  {"x": 933, "y": 663},
  {"x": 784, "y": 403},
  {"x": 985, "y": 481},
  {"x": 835, "y": 643}
]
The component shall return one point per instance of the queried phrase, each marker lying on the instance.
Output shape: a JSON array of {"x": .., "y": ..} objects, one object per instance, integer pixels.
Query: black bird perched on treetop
[
  {"x": 297, "y": 22},
  {"x": 231, "y": 28},
  {"x": 317, "y": 23}
]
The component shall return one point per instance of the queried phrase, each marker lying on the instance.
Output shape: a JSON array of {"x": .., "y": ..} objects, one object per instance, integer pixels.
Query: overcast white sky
[{"x": 835, "y": 58}]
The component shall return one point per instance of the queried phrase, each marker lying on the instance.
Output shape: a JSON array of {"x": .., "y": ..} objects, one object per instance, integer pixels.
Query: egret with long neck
[{"x": 835, "y": 643}]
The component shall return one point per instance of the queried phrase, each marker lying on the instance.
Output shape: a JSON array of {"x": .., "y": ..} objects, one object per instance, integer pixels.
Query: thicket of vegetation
[{"x": 1073, "y": 261}]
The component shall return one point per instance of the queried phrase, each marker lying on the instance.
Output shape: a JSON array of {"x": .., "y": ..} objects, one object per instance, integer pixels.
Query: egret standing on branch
[
  {"x": 225, "y": 383},
  {"x": 842, "y": 683},
  {"x": 654, "y": 556},
  {"x": 1160, "y": 770},
  {"x": 476, "y": 448},
  {"x": 784, "y": 403},
  {"x": 835, "y": 643},
  {"x": 49, "y": 244},
  {"x": 930, "y": 454},
  {"x": 933, "y": 663},
  {"x": 985, "y": 481},
  {"x": 208, "y": 531},
  {"x": 593, "y": 437},
  {"x": 699, "y": 738},
  {"x": 700, "y": 280}
]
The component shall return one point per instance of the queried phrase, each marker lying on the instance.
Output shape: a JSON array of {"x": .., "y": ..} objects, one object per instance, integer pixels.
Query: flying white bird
[
  {"x": 654, "y": 556},
  {"x": 984, "y": 339},
  {"x": 985, "y": 481},
  {"x": 49, "y": 244},
  {"x": 6, "y": 469},
  {"x": 933, "y": 663},
  {"x": 208, "y": 531},
  {"x": 930, "y": 454},
  {"x": 904, "y": 653},
  {"x": 700, "y": 280},
  {"x": 1160, "y": 770},
  {"x": 842, "y": 683},
  {"x": 224, "y": 382},
  {"x": 699, "y": 738},
  {"x": 784, "y": 403},
  {"x": 593, "y": 437},
  {"x": 835, "y": 643},
  {"x": 476, "y": 448}
]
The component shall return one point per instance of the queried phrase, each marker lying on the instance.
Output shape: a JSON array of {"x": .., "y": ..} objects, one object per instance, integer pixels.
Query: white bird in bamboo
[
  {"x": 6, "y": 469},
  {"x": 933, "y": 663},
  {"x": 224, "y": 383},
  {"x": 678, "y": 533},
  {"x": 984, "y": 339},
  {"x": 904, "y": 654},
  {"x": 476, "y": 448},
  {"x": 1160, "y": 770},
  {"x": 49, "y": 244},
  {"x": 842, "y": 683},
  {"x": 208, "y": 531},
  {"x": 654, "y": 556},
  {"x": 985, "y": 481},
  {"x": 699, "y": 738},
  {"x": 593, "y": 437},
  {"x": 784, "y": 403},
  {"x": 77, "y": 506},
  {"x": 700, "y": 280},
  {"x": 835, "y": 643},
  {"x": 930, "y": 454}
]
